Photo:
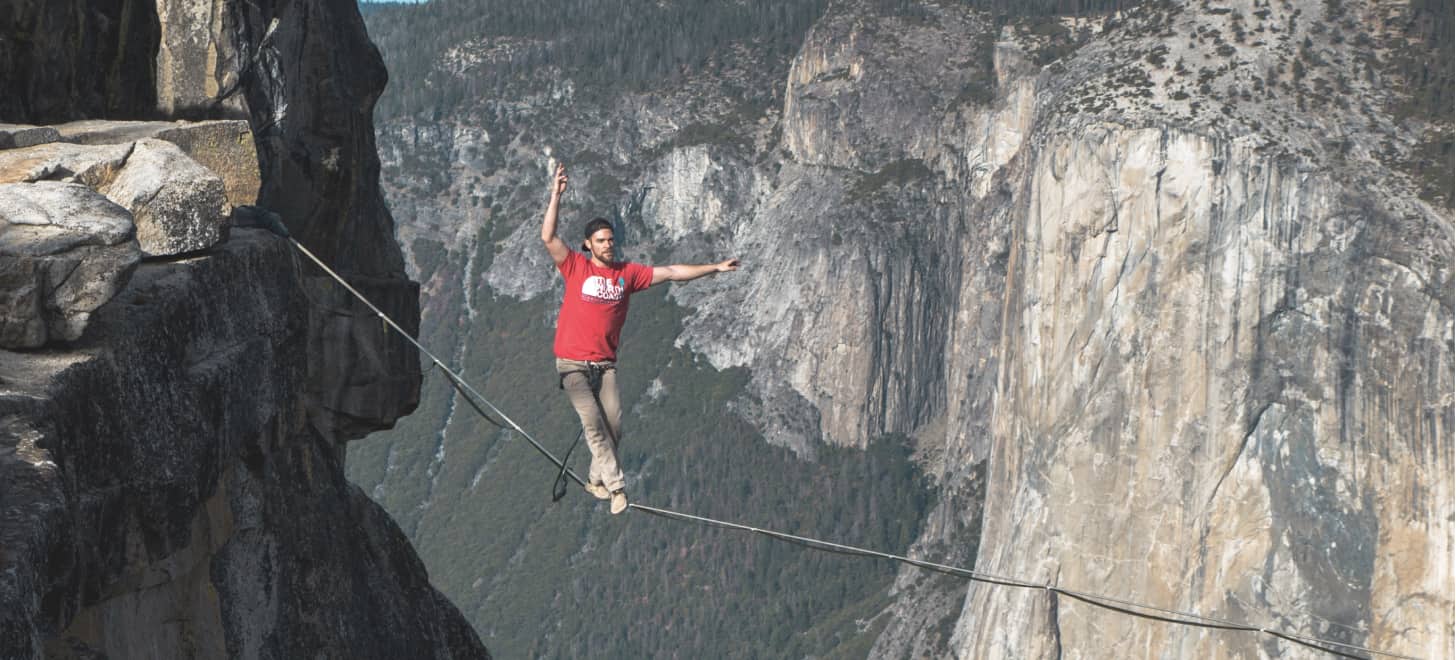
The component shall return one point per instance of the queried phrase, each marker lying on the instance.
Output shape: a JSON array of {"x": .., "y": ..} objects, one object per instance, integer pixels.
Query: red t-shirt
[{"x": 595, "y": 306}]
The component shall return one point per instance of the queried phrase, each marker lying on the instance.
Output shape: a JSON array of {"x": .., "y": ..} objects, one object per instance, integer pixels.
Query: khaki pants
[{"x": 601, "y": 424}]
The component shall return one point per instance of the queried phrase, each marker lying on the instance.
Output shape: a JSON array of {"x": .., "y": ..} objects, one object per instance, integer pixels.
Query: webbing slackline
[{"x": 489, "y": 412}]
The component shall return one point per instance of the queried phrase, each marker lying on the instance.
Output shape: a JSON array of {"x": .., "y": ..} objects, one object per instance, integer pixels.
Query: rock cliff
[
  {"x": 177, "y": 387},
  {"x": 1163, "y": 297}
]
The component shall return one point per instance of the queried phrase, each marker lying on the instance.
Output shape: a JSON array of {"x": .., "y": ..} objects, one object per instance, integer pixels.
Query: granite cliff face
[
  {"x": 1163, "y": 298},
  {"x": 177, "y": 387}
]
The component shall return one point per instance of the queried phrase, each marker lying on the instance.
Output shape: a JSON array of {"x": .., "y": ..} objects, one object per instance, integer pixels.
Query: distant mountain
[{"x": 1149, "y": 300}]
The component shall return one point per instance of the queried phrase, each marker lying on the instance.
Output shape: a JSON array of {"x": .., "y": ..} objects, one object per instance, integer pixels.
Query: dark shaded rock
[
  {"x": 164, "y": 490},
  {"x": 320, "y": 173},
  {"x": 172, "y": 481},
  {"x": 69, "y": 59},
  {"x": 20, "y": 135},
  {"x": 22, "y": 291}
]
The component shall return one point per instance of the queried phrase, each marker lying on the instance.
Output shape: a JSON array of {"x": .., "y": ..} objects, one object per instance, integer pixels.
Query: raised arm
[
  {"x": 681, "y": 273},
  {"x": 554, "y": 245}
]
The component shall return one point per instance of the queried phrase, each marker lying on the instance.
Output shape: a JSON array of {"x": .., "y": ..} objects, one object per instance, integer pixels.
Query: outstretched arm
[
  {"x": 680, "y": 273},
  {"x": 554, "y": 245}
]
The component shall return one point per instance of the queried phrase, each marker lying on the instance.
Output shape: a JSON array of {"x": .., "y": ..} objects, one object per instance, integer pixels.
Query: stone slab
[
  {"x": 224, "y": 146},
  {"x": 14, "y": 136}
]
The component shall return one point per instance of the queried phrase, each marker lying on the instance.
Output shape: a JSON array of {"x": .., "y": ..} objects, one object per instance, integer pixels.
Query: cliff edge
[{"x": 177, "y": 388}]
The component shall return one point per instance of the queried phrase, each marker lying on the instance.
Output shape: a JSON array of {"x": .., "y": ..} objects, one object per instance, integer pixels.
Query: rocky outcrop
[
  {"x": 867, "y": 90},
  {"x": 167, "y": 497},
  {"x": 66, "y": 251},
  {"x": 94, "y": 167},
  {"x": 178, "y": 205},
  {"x": 311, "y": 113},
  {"x": 223, "y": 146},
  {"x": 1196, "y": 403},
  {"x": 169, "y": 204},
  {"x": 171, "y": 443}
]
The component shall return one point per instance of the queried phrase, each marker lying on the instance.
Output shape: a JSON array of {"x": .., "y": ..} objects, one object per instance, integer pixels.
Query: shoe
[
  {"x": 619, "y": 502},
  {"x": 599, "y": 491}
]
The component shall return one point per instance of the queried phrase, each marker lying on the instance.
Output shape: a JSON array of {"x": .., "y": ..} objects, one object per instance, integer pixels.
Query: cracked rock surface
[
  {"x": 173, "y": 428},
  {"x": 65, "y": 250}
]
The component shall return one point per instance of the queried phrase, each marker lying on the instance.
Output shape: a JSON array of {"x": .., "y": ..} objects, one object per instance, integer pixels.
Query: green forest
[
  {"x": 609, "y": 45},
  {"x": 605, "y": 45}
]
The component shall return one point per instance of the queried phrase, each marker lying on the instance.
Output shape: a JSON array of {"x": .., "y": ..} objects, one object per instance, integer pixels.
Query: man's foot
[
  {"x": 599, "y": 491},
  {"x": 619, "y": 502}
]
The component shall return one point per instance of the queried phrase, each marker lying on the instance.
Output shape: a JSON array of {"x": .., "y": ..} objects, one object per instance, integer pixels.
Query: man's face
[{"x": 601, "y": 244}]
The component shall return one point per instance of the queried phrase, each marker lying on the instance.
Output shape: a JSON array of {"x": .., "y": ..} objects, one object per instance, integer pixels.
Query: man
[{"x": 592, "y": 313}]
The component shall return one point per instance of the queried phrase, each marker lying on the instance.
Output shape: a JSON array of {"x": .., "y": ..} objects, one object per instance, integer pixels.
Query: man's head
[{"x": 599, "y": 241}]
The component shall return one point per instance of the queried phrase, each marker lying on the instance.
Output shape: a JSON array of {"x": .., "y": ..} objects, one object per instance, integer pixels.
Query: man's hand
[
  {"x": 731, "y": 264},
  {"x": 554, "y": 245},
  {"x": 559, "y": 188}
]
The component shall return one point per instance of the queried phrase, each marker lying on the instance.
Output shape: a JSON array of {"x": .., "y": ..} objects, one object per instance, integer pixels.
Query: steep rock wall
[
  {"x": 310, "y": 77},
  {"x": 1195, "y": 396},
  {"x": 166, "y": 497},
  {"x": 76, "y": 60},
  {"x": 173, "y": 478},
  {"x": 1200, "y": 401},
  {"x": 1222, "y": 392}
]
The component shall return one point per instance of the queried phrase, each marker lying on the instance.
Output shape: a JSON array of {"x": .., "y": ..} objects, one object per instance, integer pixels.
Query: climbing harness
[{"x": 1127, "y": 607}]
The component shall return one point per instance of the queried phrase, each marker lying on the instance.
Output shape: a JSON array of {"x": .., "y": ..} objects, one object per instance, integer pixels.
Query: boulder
[
  {"x": 65, "y": 250},
  {"x": 224, "y": 146},
  {"x": 178, "y": 205},
  {"x": 50, "y": 217},
  {"x": 25, "y": 135},
  {"x": 58, "y": 161}
]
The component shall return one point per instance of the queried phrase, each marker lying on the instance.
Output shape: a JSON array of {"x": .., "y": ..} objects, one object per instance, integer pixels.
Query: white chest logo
[{"x": 598, "y": 289}]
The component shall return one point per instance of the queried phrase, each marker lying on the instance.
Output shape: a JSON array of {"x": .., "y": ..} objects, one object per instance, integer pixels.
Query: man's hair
[{"x": 596, "y": 225}]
